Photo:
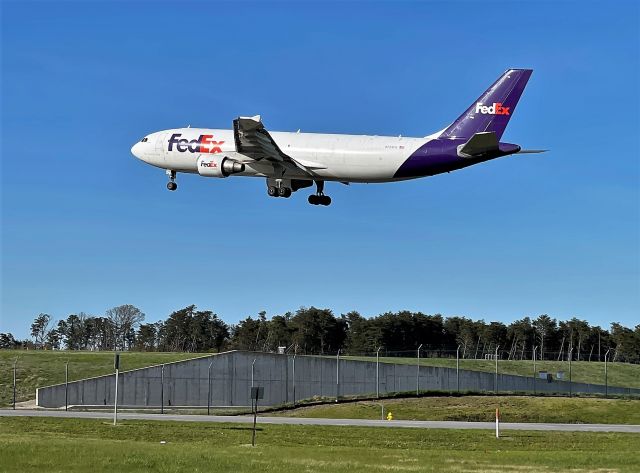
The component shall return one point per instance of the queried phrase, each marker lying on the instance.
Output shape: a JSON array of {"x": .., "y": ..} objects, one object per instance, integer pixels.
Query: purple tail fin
[{"x": 492, "y": 110}]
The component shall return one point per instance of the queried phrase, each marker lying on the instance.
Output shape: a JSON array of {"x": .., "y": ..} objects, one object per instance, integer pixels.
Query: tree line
[{"x": 318, "y": 331}]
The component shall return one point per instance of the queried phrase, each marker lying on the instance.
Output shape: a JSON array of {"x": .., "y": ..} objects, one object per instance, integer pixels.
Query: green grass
[
  {"x": 37, "y": 368},
  {"x": 619, "y": 374},
  {"x": 482, "y": 408},
  {"x": 80, "y": 445}
]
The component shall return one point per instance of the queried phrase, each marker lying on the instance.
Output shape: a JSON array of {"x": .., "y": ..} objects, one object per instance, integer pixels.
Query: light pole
[
  {"x": 458, "y": 368},
  {"x": 378, "y": 372},
  {"x": 496, "y": 383},
  {"x": 209, "y": 388},
  {"x": 338, "y": 375},
  {"x": 570, "y": 356},
  {"x": 418, "y": 373},
  {"x": 535, "y": 348},
  {"x": 606, "y": 381}
]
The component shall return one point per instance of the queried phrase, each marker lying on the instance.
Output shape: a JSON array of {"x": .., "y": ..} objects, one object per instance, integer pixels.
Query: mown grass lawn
[
  {"x": 482, "y": 408},
  {"x": 619, "y": 374},
  {"x": 38, "y": 368},
  {"x": 80, "y": 445}
]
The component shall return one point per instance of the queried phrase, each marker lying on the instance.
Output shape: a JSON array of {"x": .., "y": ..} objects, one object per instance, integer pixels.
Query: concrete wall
[{"x": 185, "y": 383}]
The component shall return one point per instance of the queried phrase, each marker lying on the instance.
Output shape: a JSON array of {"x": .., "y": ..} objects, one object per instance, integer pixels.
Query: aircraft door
[
  {"x": 160, "y": 142},
  {"x": 159, "y": 149}
]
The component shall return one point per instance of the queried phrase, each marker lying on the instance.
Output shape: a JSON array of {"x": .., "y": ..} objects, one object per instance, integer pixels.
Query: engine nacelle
[{"x": 218, "y": 165}]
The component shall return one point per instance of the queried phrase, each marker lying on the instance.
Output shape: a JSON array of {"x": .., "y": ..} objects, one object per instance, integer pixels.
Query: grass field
[
  {"x": 482, "y": 408},
  {"x": 43, "y": 368},
  {"x": 80, "y": 445},
  {"x": 619, "y": 374}
]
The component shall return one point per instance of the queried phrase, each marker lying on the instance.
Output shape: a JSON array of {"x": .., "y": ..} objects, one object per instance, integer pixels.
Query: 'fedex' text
[
  {"x": 203, "y": 144},
  {"x": 495, "y": 109}
]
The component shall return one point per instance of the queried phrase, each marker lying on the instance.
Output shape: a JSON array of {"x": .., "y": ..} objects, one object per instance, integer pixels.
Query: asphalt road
[{"x": 336, "y": 422}]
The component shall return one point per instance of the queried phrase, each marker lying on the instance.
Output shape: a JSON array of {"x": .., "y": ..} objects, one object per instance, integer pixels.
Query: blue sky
[{"x": 85, "y": 226}]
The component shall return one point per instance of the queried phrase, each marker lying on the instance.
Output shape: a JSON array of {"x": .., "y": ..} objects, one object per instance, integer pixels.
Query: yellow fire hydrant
[{"x": 389, "y": 416}]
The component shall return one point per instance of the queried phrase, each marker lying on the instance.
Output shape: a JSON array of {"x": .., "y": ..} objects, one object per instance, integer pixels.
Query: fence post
[
  {"x": 295, "y": 352},
  {"x": 337, "y": 375},
  {"x": 570, "y": 384},
  {"x": 253, "y": 363},
  {"x": 162, "y": 389},
  {"x": 378, "y": 372},
  {"x": 66, "y": 385},
  {"x": 496, "y": 381},
  {"x": 606, "y": 380},
  {"x": 458, "y": 368},
  {"x": 418, "y": 373},
  {"x": 15, "y": 368},
  {"x": 535, "y": 348},
  {"x": 116, "y": 365},
  {"x": 209, "y": 388}
]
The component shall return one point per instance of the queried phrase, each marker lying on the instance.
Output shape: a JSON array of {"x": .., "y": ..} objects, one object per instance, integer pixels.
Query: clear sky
[{"x": 86, "y": 226}]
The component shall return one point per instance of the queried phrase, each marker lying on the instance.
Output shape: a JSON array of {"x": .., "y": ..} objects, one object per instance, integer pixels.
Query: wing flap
[{"x": 253, "y": 140}]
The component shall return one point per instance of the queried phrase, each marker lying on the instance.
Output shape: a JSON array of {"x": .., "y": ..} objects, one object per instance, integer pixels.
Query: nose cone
[{"x": 136, "y": 150}]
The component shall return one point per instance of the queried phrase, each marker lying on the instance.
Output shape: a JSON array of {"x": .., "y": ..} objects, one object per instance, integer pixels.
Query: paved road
[{"x": 309, "y": 421}]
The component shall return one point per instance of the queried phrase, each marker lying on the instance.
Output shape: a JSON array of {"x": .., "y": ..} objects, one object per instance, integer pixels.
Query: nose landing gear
[
  {"x": 171, "y": 185},
  {"x": 319, "y": 198}
]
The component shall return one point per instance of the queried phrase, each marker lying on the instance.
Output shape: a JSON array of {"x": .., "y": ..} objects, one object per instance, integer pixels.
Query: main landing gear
[
  {"x": 171, "y": 185},
  {"x": 279, "y": 188},
  {"x": 319, "y": 198},
  {"x": 274, "y": 191}
]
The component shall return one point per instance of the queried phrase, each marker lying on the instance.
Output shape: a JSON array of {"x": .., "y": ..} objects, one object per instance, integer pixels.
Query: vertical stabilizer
[{"x": 493, "y": 109}]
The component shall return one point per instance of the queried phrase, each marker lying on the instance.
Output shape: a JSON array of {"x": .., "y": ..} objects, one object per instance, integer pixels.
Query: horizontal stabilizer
[
  {"x": 479, "y": 143},
  {"x": 532, "y": 151}
]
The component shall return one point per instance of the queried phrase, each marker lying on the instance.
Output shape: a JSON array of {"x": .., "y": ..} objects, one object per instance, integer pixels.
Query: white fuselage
[{"x": 333, "y": 157}]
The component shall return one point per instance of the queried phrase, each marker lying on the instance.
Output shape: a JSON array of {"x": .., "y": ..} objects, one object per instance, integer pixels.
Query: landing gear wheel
[
  {"x": 272, "y": 191},
  {"x": 284, "y": 192},
  {"x": 171, "y": 185},
  {"x": 319, "y": 198}
]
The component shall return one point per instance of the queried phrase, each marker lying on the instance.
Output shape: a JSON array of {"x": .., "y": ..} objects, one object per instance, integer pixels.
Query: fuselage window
[{"x": 144, "y": 140}]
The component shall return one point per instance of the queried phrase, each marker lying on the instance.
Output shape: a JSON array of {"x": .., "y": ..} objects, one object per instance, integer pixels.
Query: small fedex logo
[
  {"x": 202, "y": 144},
  {"x": 495, "y": 109}
]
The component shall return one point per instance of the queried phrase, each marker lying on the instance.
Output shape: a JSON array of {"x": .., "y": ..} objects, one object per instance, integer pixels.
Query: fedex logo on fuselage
[
  {"x": 495, "y": 109},
  {"x": 202, "y": 144}
]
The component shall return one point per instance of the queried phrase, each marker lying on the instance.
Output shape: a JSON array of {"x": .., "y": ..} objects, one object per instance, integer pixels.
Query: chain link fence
[{"x": 223, "y": 381}]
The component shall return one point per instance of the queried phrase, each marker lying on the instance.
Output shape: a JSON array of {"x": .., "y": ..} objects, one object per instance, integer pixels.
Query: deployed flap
[
  {"x": 309, "y": 164},
  {"x": 253, "y": 140},
  {"x": 479, "y": 143}
]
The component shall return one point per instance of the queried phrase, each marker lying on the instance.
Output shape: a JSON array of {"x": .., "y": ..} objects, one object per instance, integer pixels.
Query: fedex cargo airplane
[{"x": 293, "y": 161}]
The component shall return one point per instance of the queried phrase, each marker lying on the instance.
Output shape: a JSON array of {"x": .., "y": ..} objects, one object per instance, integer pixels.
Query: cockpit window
[{"x": 144, "y": 140}]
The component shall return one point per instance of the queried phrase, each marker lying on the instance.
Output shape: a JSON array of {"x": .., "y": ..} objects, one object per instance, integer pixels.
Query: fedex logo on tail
[
  {"x": 202, "y": 144},
  {"x": 495, "y": 109}
]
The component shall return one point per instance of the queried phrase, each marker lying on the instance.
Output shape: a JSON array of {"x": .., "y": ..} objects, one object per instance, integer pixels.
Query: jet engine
[{"x": 218, "y": 165}]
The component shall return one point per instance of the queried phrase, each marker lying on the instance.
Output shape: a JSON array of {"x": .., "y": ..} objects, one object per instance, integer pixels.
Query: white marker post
[{"x": 497, "y": 422}]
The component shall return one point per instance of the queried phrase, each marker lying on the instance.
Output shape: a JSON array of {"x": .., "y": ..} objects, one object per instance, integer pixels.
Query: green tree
[{"x": 40, "y": 329}]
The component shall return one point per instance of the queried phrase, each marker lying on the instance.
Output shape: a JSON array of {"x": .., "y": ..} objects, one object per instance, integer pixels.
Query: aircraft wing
[{"x": 253, "y": 140}]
